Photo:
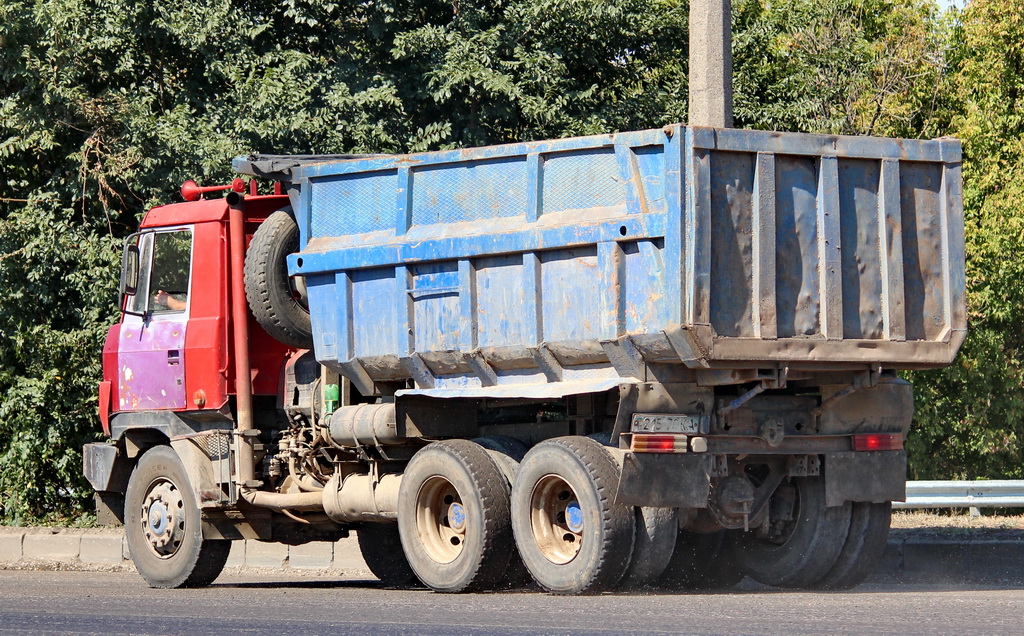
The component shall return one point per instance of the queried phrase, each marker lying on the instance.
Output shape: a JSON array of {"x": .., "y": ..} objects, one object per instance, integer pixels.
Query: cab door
[{"x": 151, "y": 347}]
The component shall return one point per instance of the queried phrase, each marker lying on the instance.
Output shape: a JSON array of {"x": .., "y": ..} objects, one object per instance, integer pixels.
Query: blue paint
[
  {"x": 457, "y": 516},
  {"x": 701, "y": 247},
  {"x": 574, "y": 517}
]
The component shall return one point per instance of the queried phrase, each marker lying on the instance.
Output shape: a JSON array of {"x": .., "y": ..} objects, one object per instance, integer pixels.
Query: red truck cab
[{"x": 171, "y": 350}]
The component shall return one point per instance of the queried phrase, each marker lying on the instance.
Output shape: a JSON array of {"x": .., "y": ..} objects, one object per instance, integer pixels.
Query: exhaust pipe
[
  {"x": 283, "y": 501},
  {"x": 245, "y": 454}
]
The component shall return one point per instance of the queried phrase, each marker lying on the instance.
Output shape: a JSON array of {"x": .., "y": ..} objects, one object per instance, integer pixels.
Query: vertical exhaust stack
[
  {"x": 711, "y": 63},
  {"x": 245, "y": 453}
]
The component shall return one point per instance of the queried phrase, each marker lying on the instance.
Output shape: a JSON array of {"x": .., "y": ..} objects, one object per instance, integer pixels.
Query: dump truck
[{"x": 664, "y": 358}]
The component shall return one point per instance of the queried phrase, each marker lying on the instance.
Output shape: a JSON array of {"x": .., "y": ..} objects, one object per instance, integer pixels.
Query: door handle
[{"x": 173, "y": 357}]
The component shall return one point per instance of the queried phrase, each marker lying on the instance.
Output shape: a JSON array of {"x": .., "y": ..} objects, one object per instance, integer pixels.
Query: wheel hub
[
  {"x": 441, "y": 519},
  {"x": 574, "y": 517},
  {"x": 158, "y": 517},
  {"x": 457, "y": 517},
  {"x": 163, "y": 518},
  {"x": 557, "y": 519}
]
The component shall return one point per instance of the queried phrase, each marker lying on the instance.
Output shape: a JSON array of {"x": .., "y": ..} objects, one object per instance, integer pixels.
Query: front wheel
[
  {"x": 163, "y": 525},
  {"x": 570, "y": 534}
]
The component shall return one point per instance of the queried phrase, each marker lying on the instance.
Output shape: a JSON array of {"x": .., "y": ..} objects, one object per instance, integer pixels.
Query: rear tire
[
  {"x": 268, "y": 289},
  {"x": 801, "y": 551},
  {"x": 453, "y": 517},
  {"x": 381, "y": 548},
  {"x": 656, "y": 532},
  {"x": 163, "y": 525},
  {"x": 570, "y": 534},
  {"x": 865, "y": 543},
  {"x": 507, "y": 452}
]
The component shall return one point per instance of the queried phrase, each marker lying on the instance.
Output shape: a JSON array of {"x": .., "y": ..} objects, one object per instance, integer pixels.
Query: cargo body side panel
[{"x": 567, "y": 266}]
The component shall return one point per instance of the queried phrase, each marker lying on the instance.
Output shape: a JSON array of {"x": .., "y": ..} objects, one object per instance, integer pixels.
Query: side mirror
[{"x": 129, "y": 271}]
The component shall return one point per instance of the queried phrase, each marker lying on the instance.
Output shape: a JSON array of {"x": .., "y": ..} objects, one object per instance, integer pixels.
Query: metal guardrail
[{"x": 1002, "y": 493}]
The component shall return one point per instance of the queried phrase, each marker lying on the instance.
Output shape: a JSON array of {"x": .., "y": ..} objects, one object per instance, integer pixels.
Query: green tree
[
  {"x": 106, "y": 107},
  {"x": 971, "y": 416},
  {"x": 852, "y": 67}
]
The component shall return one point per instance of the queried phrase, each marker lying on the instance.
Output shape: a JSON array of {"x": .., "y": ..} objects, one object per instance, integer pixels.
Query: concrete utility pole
[{"x": 711, "y": 63}]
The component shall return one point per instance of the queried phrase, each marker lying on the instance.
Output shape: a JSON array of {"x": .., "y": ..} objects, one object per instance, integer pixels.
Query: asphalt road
[{"x": 119, "y": 603}]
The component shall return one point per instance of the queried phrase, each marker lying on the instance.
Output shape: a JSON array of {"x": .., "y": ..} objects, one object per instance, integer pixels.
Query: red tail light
[
  {"x": 658, "y": 444},
  {"x": 878, "y": 442}
]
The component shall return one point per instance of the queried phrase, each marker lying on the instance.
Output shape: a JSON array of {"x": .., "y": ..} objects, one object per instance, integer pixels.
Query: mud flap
[
  {"x": 665, "y": 481},
  {"x": 876, "y": 477},
  {"x": 105, "y": 467}
]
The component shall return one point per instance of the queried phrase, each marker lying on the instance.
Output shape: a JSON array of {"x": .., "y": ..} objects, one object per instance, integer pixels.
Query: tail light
[
  {"x": 658, "y": 443},
  {"x": 878, "y": 442}
]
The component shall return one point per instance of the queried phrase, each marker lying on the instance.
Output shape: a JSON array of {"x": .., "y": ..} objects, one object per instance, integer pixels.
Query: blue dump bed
[{"x": 558, "y": 267}]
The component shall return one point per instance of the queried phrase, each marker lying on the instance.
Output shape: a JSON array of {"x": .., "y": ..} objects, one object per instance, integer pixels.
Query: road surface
[{"x": 248, "y": 603}]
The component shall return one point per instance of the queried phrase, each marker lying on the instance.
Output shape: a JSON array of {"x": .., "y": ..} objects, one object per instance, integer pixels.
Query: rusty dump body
[{"x": 551, "y": 268}]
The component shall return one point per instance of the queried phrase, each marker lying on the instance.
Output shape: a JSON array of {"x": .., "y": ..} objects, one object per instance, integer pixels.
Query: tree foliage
[
  {"x": 970, "y": 417},
  {"x": 106, "y": 107}
]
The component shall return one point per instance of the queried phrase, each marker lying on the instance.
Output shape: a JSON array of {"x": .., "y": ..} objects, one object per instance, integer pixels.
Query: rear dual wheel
[
  {"x": 865, "y": 542},
  {"x": 453, "y": 518},
  {"x": 571, "y": 535},
  {"x": 381, "y": 547},
  {"x": 803, "y": 541},
  {"x": 654, "y": 541},
  {"x": 653, "y": 547}
]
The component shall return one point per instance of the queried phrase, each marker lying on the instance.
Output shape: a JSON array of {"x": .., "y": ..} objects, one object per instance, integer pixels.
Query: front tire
[
  {"x": 572, "y": 537},
  {"x": 164, "y": 528}
]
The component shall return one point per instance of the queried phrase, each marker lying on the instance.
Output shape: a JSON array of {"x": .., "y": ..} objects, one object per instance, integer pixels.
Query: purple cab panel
[{"x": 150, "y": 364}]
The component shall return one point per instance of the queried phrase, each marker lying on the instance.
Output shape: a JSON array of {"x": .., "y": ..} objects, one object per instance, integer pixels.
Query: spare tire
[{"x": 272, "y": 296}]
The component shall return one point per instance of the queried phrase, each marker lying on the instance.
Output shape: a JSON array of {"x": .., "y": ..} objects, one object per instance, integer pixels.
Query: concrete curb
[
  {"x": 928, "y": 560},
  {"x": 906, "y": 559},
  {"x": 89, "y": 549}
]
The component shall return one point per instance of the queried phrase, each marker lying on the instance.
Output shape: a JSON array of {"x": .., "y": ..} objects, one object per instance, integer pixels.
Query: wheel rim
[
  {"x": 297, "y": 287},
  {"x": 441, "y": 520},
  {"x": 556, "y": 519},
  {"x": 163, "y": 518}
]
